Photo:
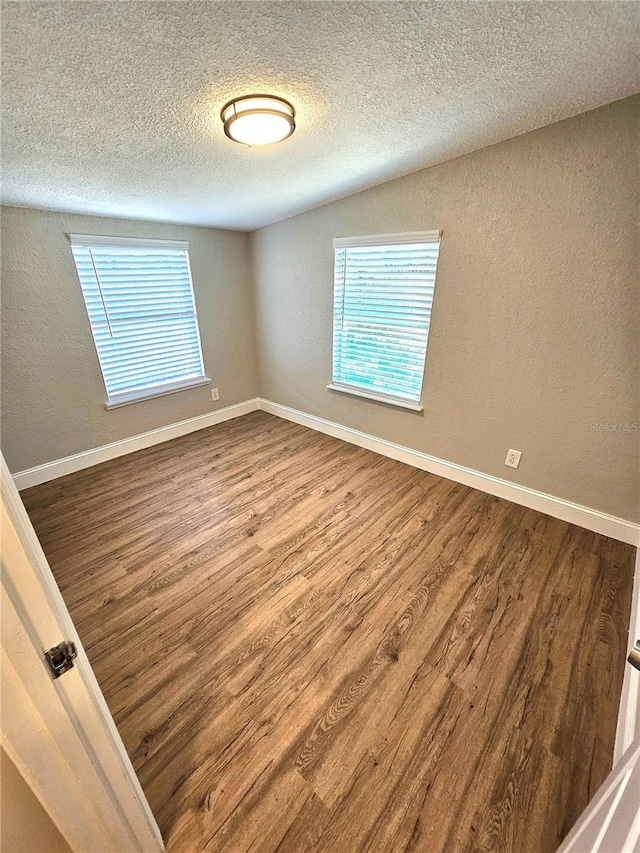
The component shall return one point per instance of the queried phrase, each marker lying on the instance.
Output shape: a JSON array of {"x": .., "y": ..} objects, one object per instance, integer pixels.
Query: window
[
  {"x": 383, "y": 292},
  {"x": 139, "y": 299}
]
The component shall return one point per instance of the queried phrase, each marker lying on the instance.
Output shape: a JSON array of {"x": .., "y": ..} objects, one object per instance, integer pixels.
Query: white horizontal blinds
[
  {"x": 140, "y": 303},
  {"x": 382, "y": 310}
]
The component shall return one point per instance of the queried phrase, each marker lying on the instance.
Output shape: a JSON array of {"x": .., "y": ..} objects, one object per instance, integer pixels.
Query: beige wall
[
  {"x": 52, "y": 390},
  {"x": 25, "y": 827},
  {"x": 534, "y": 333},
  {"x": 535, "y": 323}
]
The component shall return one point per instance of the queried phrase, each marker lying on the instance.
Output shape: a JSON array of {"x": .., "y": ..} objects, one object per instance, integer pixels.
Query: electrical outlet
[
  {"x": 214, "y": 394},
  {"x": 513, "y": 458}
]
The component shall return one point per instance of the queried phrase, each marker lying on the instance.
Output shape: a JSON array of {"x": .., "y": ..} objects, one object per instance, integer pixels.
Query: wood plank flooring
[{"x": 309, "y": 647}]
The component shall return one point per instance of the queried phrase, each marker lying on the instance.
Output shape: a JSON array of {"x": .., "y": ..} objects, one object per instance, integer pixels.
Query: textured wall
[
  {"x": 535, "y": 323},
  {"x": 25, "y": 827},
  {"x": 52, "y": 390}
]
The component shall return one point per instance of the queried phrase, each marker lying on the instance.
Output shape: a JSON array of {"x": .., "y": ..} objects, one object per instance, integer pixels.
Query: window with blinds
[
  {"x": 383, "y": 293},
  {"x": 139, "y": 299}
]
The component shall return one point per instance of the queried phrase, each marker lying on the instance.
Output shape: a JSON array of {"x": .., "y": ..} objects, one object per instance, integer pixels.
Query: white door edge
[
  {"x": 628, "y": 709},
  {"x": 611, "y": 821},
  {"x": 60, "y": 734}
]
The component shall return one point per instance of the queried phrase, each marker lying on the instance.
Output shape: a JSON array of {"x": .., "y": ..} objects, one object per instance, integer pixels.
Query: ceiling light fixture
[{"x": 258, "y": 119}]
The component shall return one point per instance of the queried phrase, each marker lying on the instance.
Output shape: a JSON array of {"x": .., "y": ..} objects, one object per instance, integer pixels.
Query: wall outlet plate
[
  {"x": 214, "y": 394},
  {"x": 513, "y": 458}
]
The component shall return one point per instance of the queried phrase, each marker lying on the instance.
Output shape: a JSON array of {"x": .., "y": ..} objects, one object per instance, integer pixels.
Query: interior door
[
  {"x": 59, "y": 732},
  {"x": 611, "y": 821}
]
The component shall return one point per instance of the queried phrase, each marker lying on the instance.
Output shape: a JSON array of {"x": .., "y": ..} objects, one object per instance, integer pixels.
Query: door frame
[
  {"x": 628, "y": 710},
  {"x": 611, "y": 821},
  {"x": 60, "y": 733}
]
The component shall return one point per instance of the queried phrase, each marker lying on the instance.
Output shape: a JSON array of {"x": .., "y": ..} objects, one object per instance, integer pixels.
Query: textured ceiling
[{"x": 112, "y": 108}]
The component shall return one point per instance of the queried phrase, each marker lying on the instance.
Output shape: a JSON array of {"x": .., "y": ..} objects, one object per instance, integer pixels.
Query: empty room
[{"x": 320, "y": 427}]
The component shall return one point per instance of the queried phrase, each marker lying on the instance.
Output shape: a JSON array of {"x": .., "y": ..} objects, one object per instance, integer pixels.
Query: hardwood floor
[{"x": 309, "y": 647}]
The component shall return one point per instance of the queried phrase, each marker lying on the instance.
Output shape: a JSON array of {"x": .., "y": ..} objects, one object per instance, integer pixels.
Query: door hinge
[{"x": 60, "y": 658}]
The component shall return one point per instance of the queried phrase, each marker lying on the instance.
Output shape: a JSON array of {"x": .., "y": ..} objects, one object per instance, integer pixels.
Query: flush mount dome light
[{"x": 258, "y": 119}]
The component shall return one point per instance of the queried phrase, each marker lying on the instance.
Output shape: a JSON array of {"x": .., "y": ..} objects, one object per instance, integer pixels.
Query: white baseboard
[
  {"x": 60, "y": 467},
  {"x": 591, "y": 519},
  {"x": 628, "y": 711}
]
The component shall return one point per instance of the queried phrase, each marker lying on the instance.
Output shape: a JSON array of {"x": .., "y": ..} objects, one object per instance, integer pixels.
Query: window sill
[
  {"x": 159, "y": 392},
  {"x": 379, "y": 398}
]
